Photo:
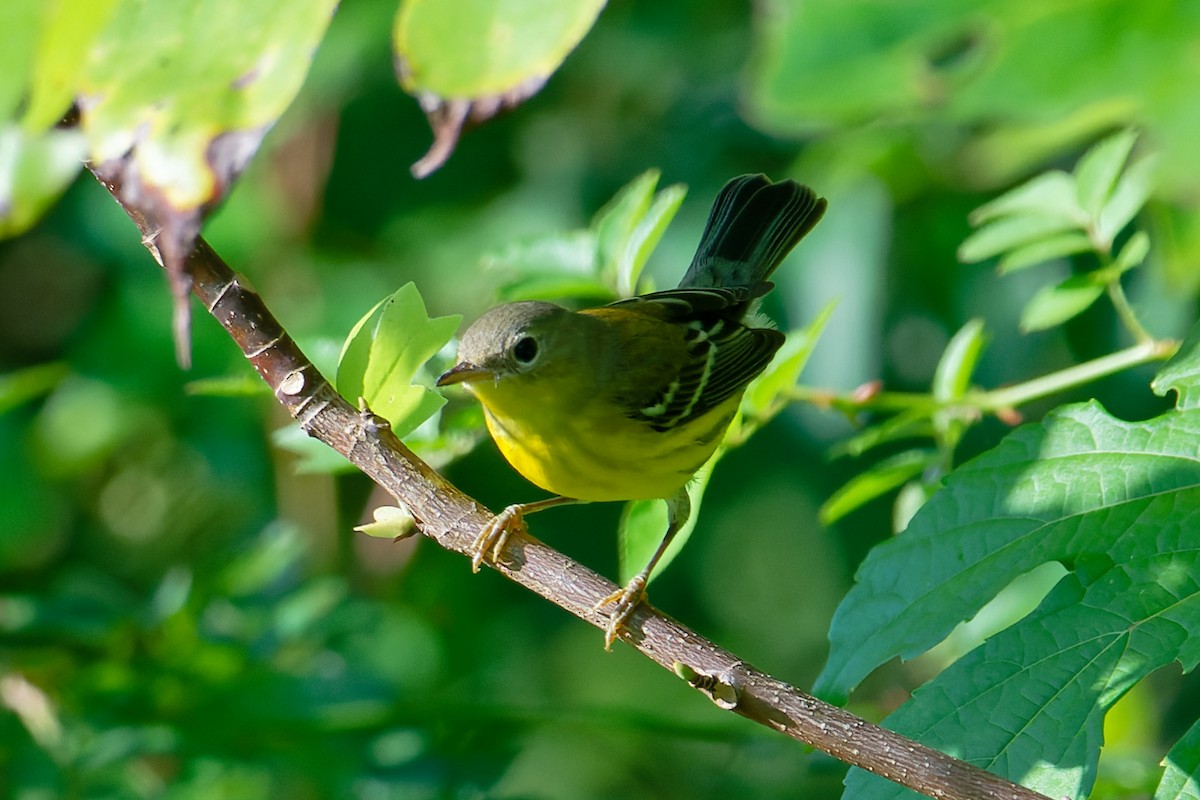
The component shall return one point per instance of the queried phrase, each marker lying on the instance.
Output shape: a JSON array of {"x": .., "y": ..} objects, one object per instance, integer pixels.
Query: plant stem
[
  {"x": 1018, "y": 394},
  {"x": 1125, "y": 311},
  {"x": 1007, "y": 397}
]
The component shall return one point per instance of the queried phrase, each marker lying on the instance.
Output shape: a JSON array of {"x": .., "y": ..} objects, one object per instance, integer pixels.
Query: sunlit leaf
[
  {"x": 1181, "y": 374},
  {"x": 384, "y": 354},
  {"x": 1119, "y": 504},
  {"x": 1181, "y": 778},
  {"x": 473, "y": 49}
]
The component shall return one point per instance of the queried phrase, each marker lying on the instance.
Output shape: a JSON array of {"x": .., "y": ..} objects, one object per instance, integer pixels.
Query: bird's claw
[
  {"x": 494, "y": 536},
  {"x": 624, "y": 602}
]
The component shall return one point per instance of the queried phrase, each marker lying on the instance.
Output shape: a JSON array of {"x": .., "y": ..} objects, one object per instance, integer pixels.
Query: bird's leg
[
  {"x": 494, "y": 536},
  {"x": 624, "y": 601}
]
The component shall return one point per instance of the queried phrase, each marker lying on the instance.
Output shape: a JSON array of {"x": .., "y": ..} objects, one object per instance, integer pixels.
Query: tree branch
[{"x": 453, "y": 520}]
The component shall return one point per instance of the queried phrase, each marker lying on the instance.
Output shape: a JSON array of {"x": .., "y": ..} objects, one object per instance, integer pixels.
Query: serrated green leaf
[
  {"x": 1181, "y": 778},
  {"x": 1043, "y": 250},
  {"x": 1009, "y": 233},
  {"x": 1132, "y": 191},
  {"x": 1054, "y": 305},
  {"x": 1133, "y": 253},
  {"x": 471, "y": 49},
  {"x": 763, "y": 395},
  {"x": 385, "y": 352},
  {"x": 1078, "y": 483},
  {"x": 1117, "y": 502},
  {"x": 874, "y": 482},
  {"x": 1031, "y": 700},
  {"x": 1181, "y": 373},
  {"x": 644, "y": 523},
  {"x": 1052, "y": 194},
  {"x": 1096, "y": 173},
  {"x": 645, "y": 236}
]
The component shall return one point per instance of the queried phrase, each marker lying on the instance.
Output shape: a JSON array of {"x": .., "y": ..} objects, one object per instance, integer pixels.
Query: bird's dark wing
[{"x": 722, "y": 357}]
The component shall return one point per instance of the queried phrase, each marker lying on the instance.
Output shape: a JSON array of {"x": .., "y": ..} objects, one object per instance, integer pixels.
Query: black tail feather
[{"x": 752, "y": 227}]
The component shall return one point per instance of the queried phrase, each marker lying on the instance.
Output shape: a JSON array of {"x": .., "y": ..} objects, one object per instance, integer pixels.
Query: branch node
[{"x": 724, "y": 689}]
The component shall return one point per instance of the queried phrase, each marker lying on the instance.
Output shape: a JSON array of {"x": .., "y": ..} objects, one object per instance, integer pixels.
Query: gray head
[{"x": 511, "y": 339}]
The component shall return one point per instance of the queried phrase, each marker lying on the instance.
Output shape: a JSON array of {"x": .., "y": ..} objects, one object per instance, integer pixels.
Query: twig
[{"x": 453, "y": 520}]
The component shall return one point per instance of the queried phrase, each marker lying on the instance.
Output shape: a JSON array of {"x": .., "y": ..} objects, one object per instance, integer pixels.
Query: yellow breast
[{"x": 579, "y": 447}]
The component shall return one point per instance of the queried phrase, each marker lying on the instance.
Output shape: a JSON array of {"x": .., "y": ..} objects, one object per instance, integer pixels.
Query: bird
[{"x": 628, "y": 400}]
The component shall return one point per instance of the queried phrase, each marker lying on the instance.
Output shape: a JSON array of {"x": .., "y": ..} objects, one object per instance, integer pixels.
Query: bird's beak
[{"x": 463, "y": 372}]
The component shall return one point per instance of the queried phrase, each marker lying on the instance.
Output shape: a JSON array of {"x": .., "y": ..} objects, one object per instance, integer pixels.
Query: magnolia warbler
[{"x": 627, "y": 401}]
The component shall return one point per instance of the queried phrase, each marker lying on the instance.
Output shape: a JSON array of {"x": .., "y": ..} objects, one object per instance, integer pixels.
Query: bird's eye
[{"x": 525, "y": 350}]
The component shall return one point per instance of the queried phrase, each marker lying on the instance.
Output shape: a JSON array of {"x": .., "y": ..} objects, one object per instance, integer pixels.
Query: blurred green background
[{"x": 183, "y": 614}]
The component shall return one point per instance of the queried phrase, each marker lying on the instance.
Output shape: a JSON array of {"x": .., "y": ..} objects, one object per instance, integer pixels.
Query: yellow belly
[{"x": 595, "y": 455}]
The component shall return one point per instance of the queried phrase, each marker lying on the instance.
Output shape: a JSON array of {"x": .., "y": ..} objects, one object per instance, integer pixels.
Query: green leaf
[
  {"x": 1096, "y": 173},
  {"x": 1117, "y": 502},
  {"x": 1133, "y": 253},
  {"x": 765, "y": 394},
  {"x": 1050, "y": 194},
  {"x": 314, "y": 457},
  {"x": 34, "y": 170},
  {"x": 1132, "y": 191},
  {"x": 23, "y": 385},
  {"x": 1053, "y": 305},
  {"x": 614, "y": 225},
  {"x": 874, "y": 482},
  {"x": 952, "y": 377},
  {"x": 244, "y": 383},
  {"x": 1043, "y": 250},
  {"x": 552, "y": 266},
  {"x": 1181, "y": 778},
  {"x": 644, "y": 523},
  {"x": 168, "y": 83},
  {"x": 1009, "y": 233},
  {"x": 472, "y": 49},
  {"x": 384, "y": 354},
  {"x": 911, "y": 424},
  {"x": 645, "y": 236},
  {"x": 1181, "y": 373}
]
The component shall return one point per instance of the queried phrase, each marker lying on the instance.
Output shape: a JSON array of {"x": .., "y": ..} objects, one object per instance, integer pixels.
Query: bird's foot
[
  {"x": 624, "y": 602},
  {"x": 492, "y": 539}
]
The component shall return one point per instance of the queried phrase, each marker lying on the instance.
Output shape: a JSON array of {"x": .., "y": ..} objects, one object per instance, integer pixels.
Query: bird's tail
[{"x": 752, "y": 227}]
